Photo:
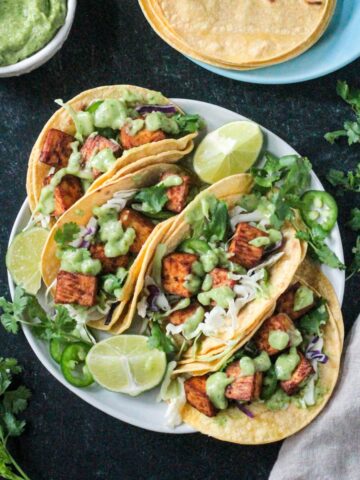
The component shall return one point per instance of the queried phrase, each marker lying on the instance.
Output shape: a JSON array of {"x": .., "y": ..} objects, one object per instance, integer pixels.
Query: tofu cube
[
  {"x": 245, "y": 254},
  {"x": 177, "y": 195},
  {"x": 66, "y": 193},
  {"x": 301, "y": 373},
  {"x": 56, "y": 149},
  {"x": 95, "y": 143},
  {"x": 143, "y": 137},
  {"x": 76, "y": 288},
  {"x": 195, "y": 391},
  {"x": 280, "y": 321},
  {"x": 285, "y": 303},
  {"x": 245, "y": 389},
  {"x": 220, "y": 278},
  {"x": 109, "y": 265},
  {"x": 175, "y": 269},
  {"x": 142, "y": 226}
]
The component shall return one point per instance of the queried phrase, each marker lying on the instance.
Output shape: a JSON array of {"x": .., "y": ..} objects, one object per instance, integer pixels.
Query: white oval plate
[{"x": 144, "y": 411}]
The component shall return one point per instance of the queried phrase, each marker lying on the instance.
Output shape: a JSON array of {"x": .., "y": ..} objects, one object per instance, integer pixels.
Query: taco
[
  {"x": 94, "y": 252},
  {"x": 215, "y": 272},
  {"x": 276, "y": 381},
  {"x": 98, "y": 134}
]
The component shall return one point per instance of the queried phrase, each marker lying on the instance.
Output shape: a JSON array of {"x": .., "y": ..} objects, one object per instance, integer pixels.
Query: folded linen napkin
[{"x": 329, "y": 448}]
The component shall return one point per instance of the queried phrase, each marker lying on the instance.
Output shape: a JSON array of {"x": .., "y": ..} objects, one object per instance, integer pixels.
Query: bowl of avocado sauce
[{"x": 31, "y": 32}]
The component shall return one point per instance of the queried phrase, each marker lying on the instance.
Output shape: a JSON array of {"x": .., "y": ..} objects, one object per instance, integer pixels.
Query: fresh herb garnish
[
  {"x": 26, "y": 310},
  {"x": 312, "y": 321},
  {"x": 351, "y": 128},
  {"x": 189, "y": 123},
  {"x": 349, "y": 181},
  {"x": 355, "y": 264},
  {"x": 158, "y": 339},
  {"x": 354, "y": 222},
  {"x": 67, "y": 233},
  {"x": 153, "y": 198},
  {"x": 12, "y": 402},
  {"x": 209, "y": 219},
  {"x": 315, "y": 237}
]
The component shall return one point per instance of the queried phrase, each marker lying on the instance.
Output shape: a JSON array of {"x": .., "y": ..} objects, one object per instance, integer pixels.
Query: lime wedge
[
  {"x": 23, "y": 258},
  {"x": 126, "y": 364},
  {"x": 232, "y": 148}
]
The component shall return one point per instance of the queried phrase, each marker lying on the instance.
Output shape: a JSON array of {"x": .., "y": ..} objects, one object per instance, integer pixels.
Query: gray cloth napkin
[{"x": 329, "y": 448}]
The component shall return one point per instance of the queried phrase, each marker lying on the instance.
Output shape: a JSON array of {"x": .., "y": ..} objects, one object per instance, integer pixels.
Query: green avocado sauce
[
  {"x": 172, "y": 181},
  {"x": 286, "y": 363},
  {"x": 193, "y": 321},
  {"x": 215, "y": 389},
  {"x": 247, "y": 366},
  {"x": 221, "y": 296},
  {"x": 117, "y": 241},
  {"x": 26, "y": 26},
  {"x": 278, "y": 339},
  {"x": 113, "y": 283},
  {"x": 103, "y": 160},
  {"x": 303, "y": 298},
  {"x": 78, "y": 260},
  {"x": 160, "y": 121}
]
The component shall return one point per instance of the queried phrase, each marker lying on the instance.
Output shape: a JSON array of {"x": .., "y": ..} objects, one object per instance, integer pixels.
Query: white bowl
[{"x": 43, "y": 55}]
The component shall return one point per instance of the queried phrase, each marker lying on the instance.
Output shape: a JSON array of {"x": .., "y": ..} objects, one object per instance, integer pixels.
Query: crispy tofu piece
[
  {"x": 175, "y": 268},
  {"x": 76, "y": 288},
  {"x": 67, "y": 193},
  {"x": 195, "y": 390},
  {"x": 285, "y": 303},
  {"x": 95, "y": 143},
  {"x": 220, "y": 278},
  {"x": 56, "y": 149},
  {"x": 177, "y": 195},
  {"x": 109, "y": 265},
  {"x": 243, "y": 253},
  {"x": 141, "y": 138},
  {"x": 180, "y": 316},
  {"x": 280, "y": 321},
  {"x": 142, "y": 226},
  {"x": 245, "y": 389},
  {"x": 301, "y": 373}
]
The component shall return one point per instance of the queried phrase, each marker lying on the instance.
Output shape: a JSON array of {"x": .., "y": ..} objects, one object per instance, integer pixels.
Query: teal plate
[{"x": 339, "y": 46}]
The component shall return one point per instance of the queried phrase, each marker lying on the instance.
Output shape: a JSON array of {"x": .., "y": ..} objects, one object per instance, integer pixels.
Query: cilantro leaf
[
  {"x": 60, "y": 327},
  {"x": 312, "y": 321},
  {"x": 350, "y": 181},
  {"x": 12, "y": 402},
  {"x": 153, "y": 198},
  {"x": 351, "y": 128},
  {"x": 67, "y": 233},
  {"x": 354, "y": 222},
  {"x": 189, "y": 123},
  {"x": 209, "y": 219},
  {"x": 318, "y": 248},
  {"x": 355, "y": 265},
  {"x": 158, "y": 339}
]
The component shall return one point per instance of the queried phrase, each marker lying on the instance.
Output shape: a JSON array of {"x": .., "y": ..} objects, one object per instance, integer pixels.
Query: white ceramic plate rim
[{"x": 336, "y": 277}]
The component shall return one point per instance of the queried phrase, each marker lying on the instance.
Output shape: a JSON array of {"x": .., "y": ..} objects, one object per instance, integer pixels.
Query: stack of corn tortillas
[{"x": 240, "y": 34}]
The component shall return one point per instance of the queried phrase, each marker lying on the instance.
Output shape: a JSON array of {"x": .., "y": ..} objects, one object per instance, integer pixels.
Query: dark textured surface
[{"x": 111, "y": 43}]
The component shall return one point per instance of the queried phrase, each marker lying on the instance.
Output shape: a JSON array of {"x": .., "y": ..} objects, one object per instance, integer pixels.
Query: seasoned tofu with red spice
[
  {"x": 66, "y": 193},
  {"x": 300, "y": 374},
  {"x": 109, "y": 265},
  {"x": 245, "y": 254},
  {"x": 281, "y": 322},
  {"x": 195, "y": 391},
  {"x": 142, "y": 226},
  {"x": 56, "y": 149},
  {"x": 141, "y": 138},
  {"x": 245, "y": 389},
  {"x": 76, "y": 288},
  {"x": 180, "y": 316},
  {"x": 220, "y": 278},
  {"x": 175, "y": 269},
  {"x": 95, "y": 143},
  {"x": 177, "y": 195},
  {"x": 285, "y": 303}
]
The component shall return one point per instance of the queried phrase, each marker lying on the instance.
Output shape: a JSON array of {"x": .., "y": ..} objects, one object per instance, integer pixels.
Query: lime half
[
  {"x": 231, "y": 149},
  {"x": 126, "y": 364},
  {"x": 24, "y": 256}
]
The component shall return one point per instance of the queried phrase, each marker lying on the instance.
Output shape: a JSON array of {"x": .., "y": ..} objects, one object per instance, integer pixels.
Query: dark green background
[{"x": 111, "y": 42}]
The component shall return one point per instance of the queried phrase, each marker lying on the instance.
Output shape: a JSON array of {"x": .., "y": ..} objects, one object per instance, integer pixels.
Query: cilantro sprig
[
  {"x": 153, "y": 199},
  {"x": 349, "y": 181},
  {"x": 25, "y": 309},
  {"x": 351, "y": 128},
  {"x": 12, "y": 402},
  {"x": 66, "y": 234},
  {"x": 158, "y": 339}
]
